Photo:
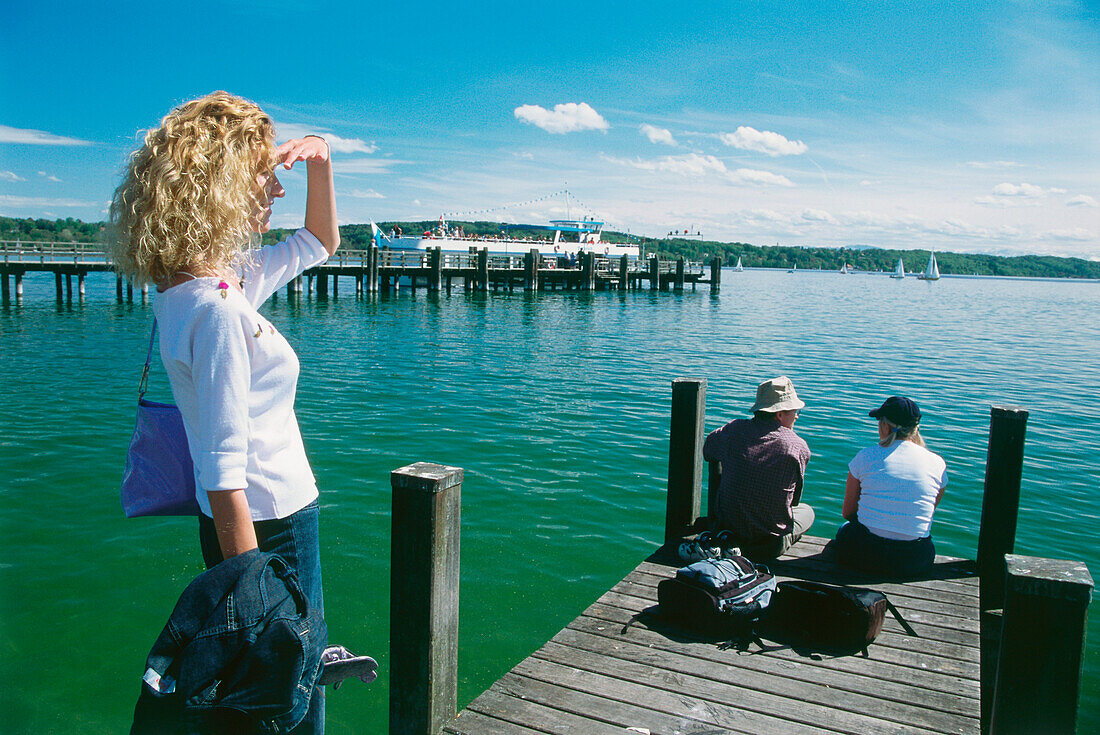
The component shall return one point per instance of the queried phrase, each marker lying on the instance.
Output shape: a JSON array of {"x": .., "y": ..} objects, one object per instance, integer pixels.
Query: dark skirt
[{"x": 858, "y": 548}]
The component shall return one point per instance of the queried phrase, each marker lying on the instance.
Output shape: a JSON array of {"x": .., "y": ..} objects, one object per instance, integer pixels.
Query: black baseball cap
[{"x": 898, "y": 410}]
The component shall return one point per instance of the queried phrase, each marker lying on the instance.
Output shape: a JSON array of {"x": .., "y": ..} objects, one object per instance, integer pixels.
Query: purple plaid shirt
[{"x": 763, "y": 465}]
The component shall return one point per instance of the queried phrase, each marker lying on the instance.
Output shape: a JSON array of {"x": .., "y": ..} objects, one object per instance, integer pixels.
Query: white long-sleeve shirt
[{"x": 234, "y": 377}]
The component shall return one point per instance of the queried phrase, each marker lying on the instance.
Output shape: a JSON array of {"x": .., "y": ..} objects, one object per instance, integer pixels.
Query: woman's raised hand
[{"x": 311, "y": 149}]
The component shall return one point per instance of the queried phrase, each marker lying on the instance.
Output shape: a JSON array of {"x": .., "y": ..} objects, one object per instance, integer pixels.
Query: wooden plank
[
  {"x": 498, "y": 704},
  {"x": 581, "y": 631},
  {"x": 953, "y": 677},
  {"x": 685, "y": 676},
  {"x": 469, "y": 722},
  {"x": 644, "y": 709}
]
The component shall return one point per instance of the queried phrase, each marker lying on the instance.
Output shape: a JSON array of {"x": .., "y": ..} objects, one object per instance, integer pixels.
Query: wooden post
[
  {"x": 1042, "y": 645},
  {"x": 61, "y": 295},
  {"x": 483, "y": 269},
  {"x": 679, "y": 283},
  {"x": 531, "y": 270},
  {"x": 685, "y": 456},
  {"x": 322, "y": 284},
  {"x": 624, "y": 266},
  {"x": 590, "y": 279},
  {"x": 715, "y": 274},
  {"x": 19, "y": 286},
  {"x": 654, "y": 273},
  {"x": 1000, "y": 500},
  {"x": 69, "y": 286},
  {"x": 335, "y": 284},
  {"x": 435, "y": 268},
  {"x": 424, "y": 597},
  {"x": 5, "y": 287},
  {"x": 80, "y": 285},
  {"x": 118, "y": 288}
]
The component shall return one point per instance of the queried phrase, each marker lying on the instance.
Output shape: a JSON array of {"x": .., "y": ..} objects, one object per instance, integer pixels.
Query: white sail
[
  {"x": 932, "y": 272},
  {"x": 739, "y": 267},
  {"x": 900, "y": 272},
  {"x": 844, "y": 269}
]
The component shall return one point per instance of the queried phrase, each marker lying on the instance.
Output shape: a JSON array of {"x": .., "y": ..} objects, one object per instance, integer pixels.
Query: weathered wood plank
[
  {"x": 497, "y": 703},
  {"x": 766, "y": 695},
  {"x": 469, "y": 722},
  {"x": 584, "y": 633}
]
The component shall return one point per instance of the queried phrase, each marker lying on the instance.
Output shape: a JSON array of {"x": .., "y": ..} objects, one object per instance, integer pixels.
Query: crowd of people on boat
[{"x": 891, "y": 492}]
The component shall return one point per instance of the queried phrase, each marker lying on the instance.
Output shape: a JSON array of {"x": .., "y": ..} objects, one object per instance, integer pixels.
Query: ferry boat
[{"x": 564, "y": 238}]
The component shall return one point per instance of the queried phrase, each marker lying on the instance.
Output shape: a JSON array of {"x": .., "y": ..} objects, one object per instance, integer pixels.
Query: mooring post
[
  {"x": 1000, "y": 500},
  {"x": 715, "y": 274},
  {"x": 118, "y": 288},
  {"x": 435, "y": 268},
  {"x": 1042, "y": 646},
  {"x": 335, "y": 284},
  {"x": 654, "y": 273},
  {"x": 322, "y": 284},
  {"x": 624, "y": 279},
  {"x": 679, "y": 283},
  {"x": 372, "y": 270},
  {"x": 80, "y": 285},
  {"x": 483, "y": 269},
  {"x": 424, "y": 575},
  {"x": 685, "y": 456},
  {"x": 18, "y": 286},
  {"x": 997, "y": 537},
  {"x": 60, "y": 289},
  {"x": 532, "y": 264},
  {"x": 5, "y": 287}
]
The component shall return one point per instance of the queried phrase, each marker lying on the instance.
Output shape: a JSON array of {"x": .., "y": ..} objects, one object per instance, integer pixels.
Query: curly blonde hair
[{"x": 188, "y": 194}]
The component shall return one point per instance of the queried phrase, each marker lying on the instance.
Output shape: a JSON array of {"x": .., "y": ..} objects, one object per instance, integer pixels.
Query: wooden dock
[
  {"x": 999, "y": 645},
  {"x": 618, "y": 666},
  {"x": 372, "y": 270}
]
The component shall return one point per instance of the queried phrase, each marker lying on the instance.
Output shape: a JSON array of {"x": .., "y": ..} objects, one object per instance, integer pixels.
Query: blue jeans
[
  {"x": 296, "y": 539},
  {"x": 859, "y": 549}
]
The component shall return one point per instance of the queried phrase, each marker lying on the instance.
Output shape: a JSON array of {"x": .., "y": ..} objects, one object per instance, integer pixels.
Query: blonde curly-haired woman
[{"x": 194, "y": 197}]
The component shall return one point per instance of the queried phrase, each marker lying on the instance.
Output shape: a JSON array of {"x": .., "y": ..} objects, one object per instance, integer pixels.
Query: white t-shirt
[
  {"x": 234, "y": 377},
  {"x": 898, "y": 489}
]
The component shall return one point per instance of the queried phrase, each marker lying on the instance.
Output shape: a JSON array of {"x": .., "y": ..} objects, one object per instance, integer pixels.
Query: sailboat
[
  {"x": 932, "y": 272},
  {"x": 792, "y": 270},
  {"x": 900, "y": 272},
  {"x": 739, "y": 267},
  {"x": 844, "y": 269}
]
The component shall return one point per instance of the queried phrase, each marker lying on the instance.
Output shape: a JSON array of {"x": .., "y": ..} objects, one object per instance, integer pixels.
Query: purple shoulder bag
[{"x": 159, "y": 478}]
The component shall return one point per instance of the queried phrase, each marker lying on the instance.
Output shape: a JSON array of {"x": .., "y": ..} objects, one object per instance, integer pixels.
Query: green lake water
[{"x": 557, "y": 407}]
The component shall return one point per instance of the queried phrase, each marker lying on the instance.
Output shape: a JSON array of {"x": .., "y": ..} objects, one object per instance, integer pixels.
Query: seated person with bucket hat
[
  {"x": 892, "y": 491},
  {"x": 763, "y": 467}
]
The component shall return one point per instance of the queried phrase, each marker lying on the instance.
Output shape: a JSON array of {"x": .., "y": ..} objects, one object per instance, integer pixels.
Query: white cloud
[
  {"x": 565, "y": 118},
  {"x": 1082, "y": 200},
  {"x": 763, "y": 141},
  {"x": 992, "y": 164},
  {"x": 10, "y": 176},
  {"x": 364, "y": 165},
  {"x": 1017, "y": 190},
  {"x": 336, "y": 143},
  {"x": 657, "y": 135},
  {"x": 754, "y": 176},
  {"x": 36, "y": 137},
  {"x": 1078, "y": 234},
  {"x": 14, "y": 201},
  {"x": 49, "y": 177},
  {"x": 818, "y": 215},
  {"x": 368, "y": 194}
]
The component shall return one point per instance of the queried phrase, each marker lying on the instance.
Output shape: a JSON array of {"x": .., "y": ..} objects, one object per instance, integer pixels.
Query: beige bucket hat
[{"x": 776, "y": 395}]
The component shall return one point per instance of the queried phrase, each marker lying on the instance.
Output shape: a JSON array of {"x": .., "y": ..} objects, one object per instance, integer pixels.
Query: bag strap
[
  {"x": 899, "y": 618},
  {"x": 143, "y": 385}
]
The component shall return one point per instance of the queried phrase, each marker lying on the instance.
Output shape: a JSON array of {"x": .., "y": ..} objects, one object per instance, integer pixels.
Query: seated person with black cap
[{"x": 893, "y": 490}]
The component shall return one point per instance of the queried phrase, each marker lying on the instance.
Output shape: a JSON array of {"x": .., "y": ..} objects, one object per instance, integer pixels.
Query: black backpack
[
  {"x": 716, "y": 597},
  {"x": 826, "y": 618}
]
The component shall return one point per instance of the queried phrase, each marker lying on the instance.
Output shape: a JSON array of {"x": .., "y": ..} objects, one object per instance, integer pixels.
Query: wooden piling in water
[
  {"x": 715, "y": 274},
  {"x": 372, "y": 270},
  {"x": 624, "y": 267},
  {"x": 1038, "y": 681},
  {"x": 5, "y": 292},
  {"x": 435, "y": 268},
  {"x": 685, "y": 456},
  {"x": 80, "y": 285},
  {"x": 997, "y": 536},
  {"x": 678, "y": 284},
  {"x": 483, "y": 269},
  {"x": 118, "y": 288},
  {"x": 654, "y": 273},
  {"x": 531, "y": 270},
  {"x": 18, "y": 286},
  {"x": 424, "y": 576}
]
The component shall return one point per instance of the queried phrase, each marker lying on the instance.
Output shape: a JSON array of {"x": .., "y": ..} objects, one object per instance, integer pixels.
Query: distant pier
[{"x": 375, "y": 270}]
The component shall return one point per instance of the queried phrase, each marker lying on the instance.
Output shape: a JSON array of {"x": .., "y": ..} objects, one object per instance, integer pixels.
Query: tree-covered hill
[{"x": 752, "y": 256}]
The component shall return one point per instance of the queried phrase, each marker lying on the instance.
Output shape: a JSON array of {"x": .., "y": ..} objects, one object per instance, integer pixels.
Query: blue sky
[{"x": 968, "y": 126}]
